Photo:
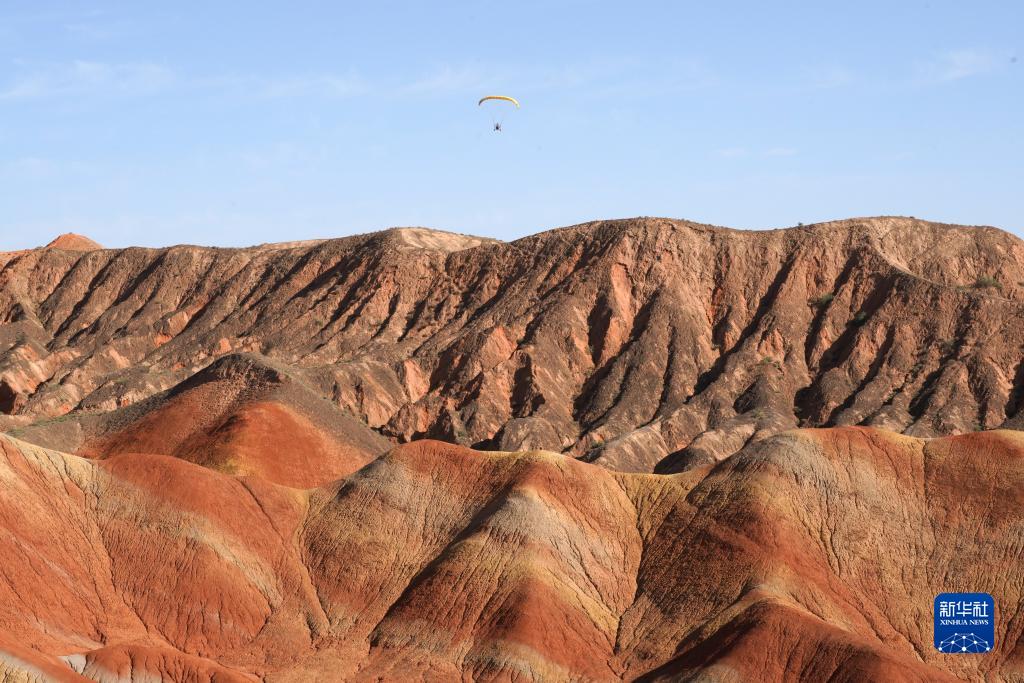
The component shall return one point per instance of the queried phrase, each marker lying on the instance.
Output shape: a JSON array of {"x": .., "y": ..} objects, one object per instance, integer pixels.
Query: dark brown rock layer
[{"x": 640, "y": 344}]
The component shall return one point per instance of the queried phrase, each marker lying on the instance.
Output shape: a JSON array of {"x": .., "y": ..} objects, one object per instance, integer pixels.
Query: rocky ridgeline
[
  {"x": 205, "y": 474},
  {"x": 643, "y": 344}
]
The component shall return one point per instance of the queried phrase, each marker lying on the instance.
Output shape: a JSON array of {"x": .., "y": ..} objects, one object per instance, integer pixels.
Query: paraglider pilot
[{"x": 499, "y": 98}]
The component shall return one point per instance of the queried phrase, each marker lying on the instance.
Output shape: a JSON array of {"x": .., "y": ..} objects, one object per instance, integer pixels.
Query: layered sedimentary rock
[
  {"x": 814, "y": 555},
  {"x": 242, "y": 414},
  {"x": 641, "y": 344},
  {"x": 255, "y": 464}
]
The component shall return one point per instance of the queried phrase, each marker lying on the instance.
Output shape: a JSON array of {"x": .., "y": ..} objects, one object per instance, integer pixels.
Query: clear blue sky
[{"x": 238, "y": 123}]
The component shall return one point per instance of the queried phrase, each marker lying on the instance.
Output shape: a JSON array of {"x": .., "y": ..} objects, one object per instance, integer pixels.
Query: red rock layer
[
  {"x": 810, "y": 555},
  {"x": 640, "y": 344},
  {"x": 71, "y": 242}
]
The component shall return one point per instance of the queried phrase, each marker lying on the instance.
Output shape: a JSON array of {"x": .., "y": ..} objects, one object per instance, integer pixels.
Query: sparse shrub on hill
[
  {"x": 949, "y": 346},
  {"x": 987, "y": 282},
  {"x": 859, "y": 319},
  {"x": 821, "y": 301}
]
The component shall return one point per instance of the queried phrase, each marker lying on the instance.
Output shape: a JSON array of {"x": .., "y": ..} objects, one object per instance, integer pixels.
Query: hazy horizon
[{"x": 233, "y": 126}]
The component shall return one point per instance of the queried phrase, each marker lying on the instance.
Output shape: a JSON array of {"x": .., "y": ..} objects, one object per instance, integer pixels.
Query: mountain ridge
[
  {"x": 626, "y": 450},
  {"x": 547, "y": 341}
]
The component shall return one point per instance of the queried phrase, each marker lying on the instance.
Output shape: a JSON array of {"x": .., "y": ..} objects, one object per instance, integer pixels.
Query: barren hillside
[
  {"x": 813, "y": 555},
  {"x": 640, "y": 344},
  {"x": 627, "y": 450}
]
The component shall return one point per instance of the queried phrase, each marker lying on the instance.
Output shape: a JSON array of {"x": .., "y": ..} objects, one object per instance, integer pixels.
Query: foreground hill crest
[{"x": 443, "y": 563}]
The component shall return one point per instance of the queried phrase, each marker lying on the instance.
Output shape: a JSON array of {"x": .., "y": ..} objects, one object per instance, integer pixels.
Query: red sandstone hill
[
  {"x": 243, "y": 414},
  {"x": 640, "y": 344},
  {"x": 812, "y": 555},
  {"x": 71, "y": 242},
  {"x": 207, "y": 476},
  {"x": 67, "y": 242}
]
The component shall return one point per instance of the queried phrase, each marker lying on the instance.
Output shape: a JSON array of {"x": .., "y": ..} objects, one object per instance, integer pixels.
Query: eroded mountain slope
[
  {"x": 810, "y": 555},
  {"x": 242, "y": 414},
  {"x": 639, "y": 344}
]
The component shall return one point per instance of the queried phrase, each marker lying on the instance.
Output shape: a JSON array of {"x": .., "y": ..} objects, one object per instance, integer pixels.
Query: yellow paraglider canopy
[{"x": 506, "y": 98}]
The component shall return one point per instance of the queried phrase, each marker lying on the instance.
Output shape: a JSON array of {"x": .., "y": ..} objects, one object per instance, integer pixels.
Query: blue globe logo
[
  {"x": 964, "y": 623},
  {"x": 964, "y": 642}
]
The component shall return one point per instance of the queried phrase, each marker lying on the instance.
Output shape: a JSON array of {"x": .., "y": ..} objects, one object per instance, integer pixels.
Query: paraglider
[
  {"x": 501, "y": 101},
  {"x": 504, "y": 98}
]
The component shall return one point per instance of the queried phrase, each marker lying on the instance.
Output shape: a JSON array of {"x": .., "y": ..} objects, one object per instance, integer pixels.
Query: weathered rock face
[
  {"x": 241, "y": 414},
  {"x": 639, "y": 344},
  {"x": 204, "y": 473},
  {"x": 813, "y": 555}
]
